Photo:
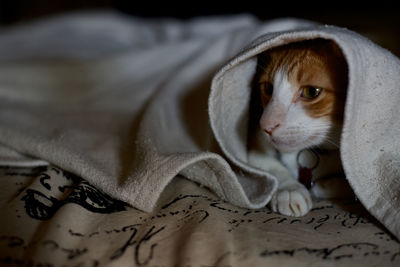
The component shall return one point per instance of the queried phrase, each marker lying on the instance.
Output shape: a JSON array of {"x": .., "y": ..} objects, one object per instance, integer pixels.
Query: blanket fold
[
  {"x": 370, "y": 139},
  {"x": 131, "y": 114}
]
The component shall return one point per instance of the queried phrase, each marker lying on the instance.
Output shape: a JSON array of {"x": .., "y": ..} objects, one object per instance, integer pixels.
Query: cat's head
[{"x": 302, "y": 88}]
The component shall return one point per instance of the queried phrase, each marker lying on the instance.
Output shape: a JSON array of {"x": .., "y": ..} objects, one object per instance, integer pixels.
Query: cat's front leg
[{"x": 292, "y": 200}]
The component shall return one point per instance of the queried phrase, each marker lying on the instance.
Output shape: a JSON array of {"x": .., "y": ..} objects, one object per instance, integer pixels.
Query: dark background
[{"x": 379, "y": 20}]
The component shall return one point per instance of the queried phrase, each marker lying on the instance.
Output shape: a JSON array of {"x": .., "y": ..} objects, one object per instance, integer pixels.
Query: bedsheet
[{"x": 53, "y": 218}]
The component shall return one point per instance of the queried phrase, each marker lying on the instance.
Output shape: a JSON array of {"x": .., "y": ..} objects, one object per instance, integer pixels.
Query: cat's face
[{"x": 302, "y": 89}]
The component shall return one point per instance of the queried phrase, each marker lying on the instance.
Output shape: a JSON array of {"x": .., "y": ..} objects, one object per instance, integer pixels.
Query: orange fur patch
[{"x": 318, "y": 63}]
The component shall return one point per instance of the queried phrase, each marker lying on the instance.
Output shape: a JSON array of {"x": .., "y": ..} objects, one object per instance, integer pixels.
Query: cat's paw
[
  {"x": 332, "y": 187},
  {"x": 293, "y": 201}
]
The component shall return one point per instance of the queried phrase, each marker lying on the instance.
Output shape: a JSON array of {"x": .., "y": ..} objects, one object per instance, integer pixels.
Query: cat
[{"x": 301, "y": 90}]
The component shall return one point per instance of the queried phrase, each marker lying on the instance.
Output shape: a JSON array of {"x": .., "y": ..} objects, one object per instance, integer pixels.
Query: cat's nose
[{"x": 270, "y": 129}]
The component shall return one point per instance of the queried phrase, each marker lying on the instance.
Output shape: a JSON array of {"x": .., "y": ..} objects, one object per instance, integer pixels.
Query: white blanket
[{"x": 123, "y": 103}]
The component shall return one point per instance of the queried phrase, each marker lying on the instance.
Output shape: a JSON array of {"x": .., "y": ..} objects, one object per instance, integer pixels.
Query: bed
[
  {"x": 106, "y": 161},
  {"x": 53, "y": 218}
]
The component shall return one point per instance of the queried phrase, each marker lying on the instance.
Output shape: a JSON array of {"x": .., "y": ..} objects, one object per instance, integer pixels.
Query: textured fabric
[
  {"x": 122, "y": 103},
  {"x": 52, "y": 218},
  {"x": 370, "y": 142}
]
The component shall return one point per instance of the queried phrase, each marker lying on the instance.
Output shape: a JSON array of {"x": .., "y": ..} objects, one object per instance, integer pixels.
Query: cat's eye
[
  {"x": 310, "y": 92},
  {"x": 266, "y": 88}
]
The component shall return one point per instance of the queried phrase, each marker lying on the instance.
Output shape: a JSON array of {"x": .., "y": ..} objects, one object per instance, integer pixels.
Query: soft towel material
[
  {"x": 370, "y": 142},
  {"x": 123, "y": 104}
]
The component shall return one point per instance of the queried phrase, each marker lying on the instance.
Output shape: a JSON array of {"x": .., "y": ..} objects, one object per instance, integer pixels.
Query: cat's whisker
[
  {"x": 310, "y": 127},
  {"x": 332, "y": 143},
  {"x": 322, "y": 132},
  {"x": 328, "y": 140}
]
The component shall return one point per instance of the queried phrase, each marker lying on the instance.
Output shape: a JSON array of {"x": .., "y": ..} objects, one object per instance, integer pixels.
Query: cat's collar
[
  {"x": 311, "y": 162},
  {"x": 308, "y": 164}
]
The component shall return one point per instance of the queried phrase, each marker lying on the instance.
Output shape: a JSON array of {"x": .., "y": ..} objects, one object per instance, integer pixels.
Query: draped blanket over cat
[
  {"x": 131, "y": 147},
  {"x": 297, "y": 105},
  {"x": 366, "y": 117}
]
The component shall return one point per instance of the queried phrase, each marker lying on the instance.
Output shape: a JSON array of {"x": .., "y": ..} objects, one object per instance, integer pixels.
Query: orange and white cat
[{"x": 302, "y": 87}]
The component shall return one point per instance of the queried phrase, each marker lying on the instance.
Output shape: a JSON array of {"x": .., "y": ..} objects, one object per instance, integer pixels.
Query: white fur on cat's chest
[{"x": 263, "y": 155}]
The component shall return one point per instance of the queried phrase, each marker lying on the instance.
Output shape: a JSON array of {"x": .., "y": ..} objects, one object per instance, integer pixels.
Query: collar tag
[
  {"x": 307, "y": 160},
  {"x": 306, "y": 177}
]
